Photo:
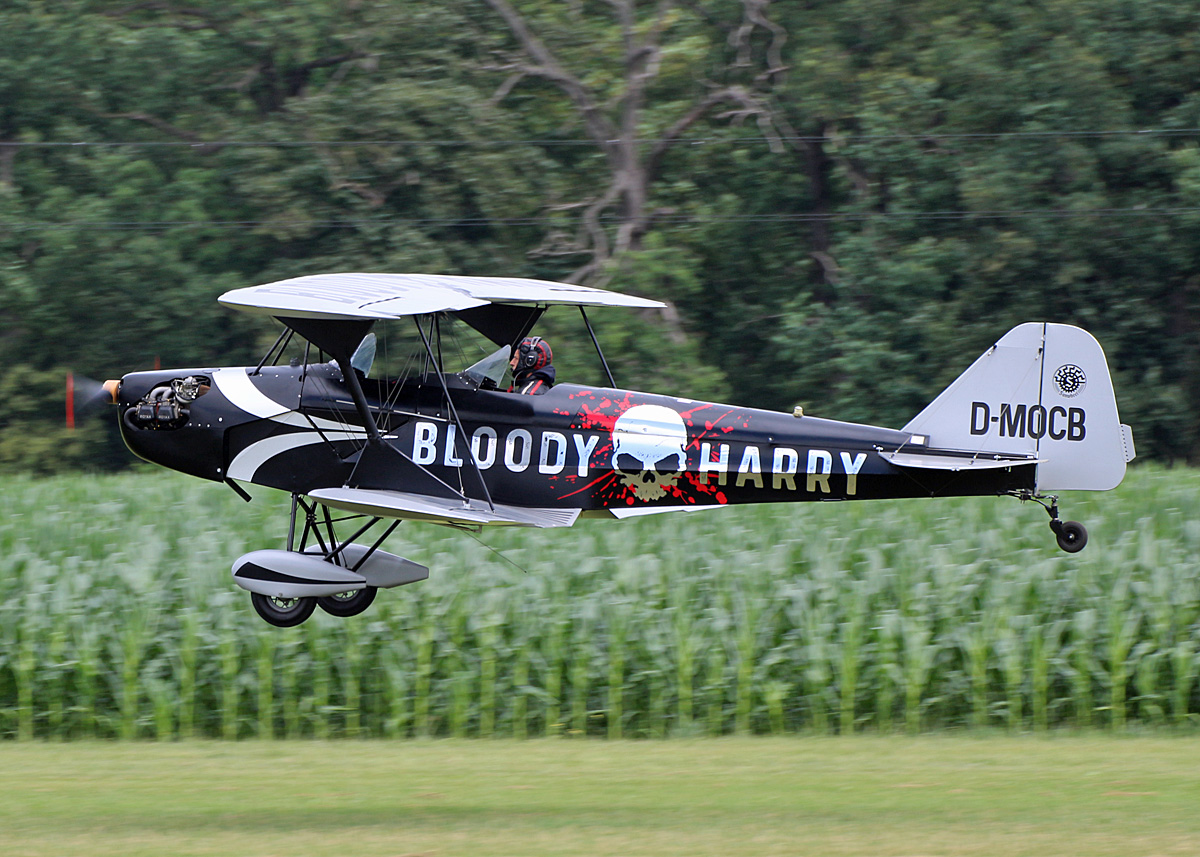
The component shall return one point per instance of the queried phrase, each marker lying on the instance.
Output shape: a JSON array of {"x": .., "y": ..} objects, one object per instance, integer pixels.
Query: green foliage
[
  {"x": 118, "y": 619},
  {"x": 931, "y": 188}
]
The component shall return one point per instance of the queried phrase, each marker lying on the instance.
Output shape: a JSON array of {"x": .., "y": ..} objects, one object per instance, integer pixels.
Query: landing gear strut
[
  {"x": 1071, "y": 535},
  {"x": 340, "y": 576}
]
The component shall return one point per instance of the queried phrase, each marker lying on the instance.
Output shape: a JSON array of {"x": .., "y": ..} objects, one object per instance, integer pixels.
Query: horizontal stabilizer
[
  {"x": 956, "y": 462},
  {"x": 418, "y": 507}
]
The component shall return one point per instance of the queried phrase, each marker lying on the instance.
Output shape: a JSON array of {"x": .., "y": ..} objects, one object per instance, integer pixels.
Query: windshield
[
  {"x": 489, "y": 371},
  {"x": 364, "y": 355}
]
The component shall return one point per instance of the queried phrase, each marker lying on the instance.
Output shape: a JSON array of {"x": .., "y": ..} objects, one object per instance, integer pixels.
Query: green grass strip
[{"x": 869, "y": 795}]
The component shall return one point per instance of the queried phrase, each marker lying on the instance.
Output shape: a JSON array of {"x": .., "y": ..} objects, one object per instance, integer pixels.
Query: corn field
[{"x": 119, "y": 619}]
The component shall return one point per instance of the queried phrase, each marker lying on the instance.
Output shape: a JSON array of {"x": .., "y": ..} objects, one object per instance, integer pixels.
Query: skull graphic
[{"x": 648, "y": 450}]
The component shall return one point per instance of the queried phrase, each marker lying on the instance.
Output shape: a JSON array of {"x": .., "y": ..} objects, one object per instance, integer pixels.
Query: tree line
[{"x": 843, "y": 202}]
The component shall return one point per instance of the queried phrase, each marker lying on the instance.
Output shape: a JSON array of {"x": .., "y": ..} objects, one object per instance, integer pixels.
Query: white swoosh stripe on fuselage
[
  {"x": 246, "y": 463},
  {"x": 236, "y": 386}
]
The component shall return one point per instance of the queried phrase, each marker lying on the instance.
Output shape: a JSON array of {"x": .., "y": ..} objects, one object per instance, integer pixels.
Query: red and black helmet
[{"x": 533, "y": 353}]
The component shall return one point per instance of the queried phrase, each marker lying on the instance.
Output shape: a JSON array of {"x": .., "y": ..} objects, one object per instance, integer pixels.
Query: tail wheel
[
  {"x": 348, "y": 603},
  {"x": 283, "y": 612},
  {"x": 1072, "y": 536}
]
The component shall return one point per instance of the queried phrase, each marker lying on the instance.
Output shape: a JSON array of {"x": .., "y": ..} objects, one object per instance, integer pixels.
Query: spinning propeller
[{"x": 85, "y": 395}]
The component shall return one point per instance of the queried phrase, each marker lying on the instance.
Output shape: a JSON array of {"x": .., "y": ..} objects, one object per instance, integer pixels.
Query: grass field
[{"x": 867, "y": 795}]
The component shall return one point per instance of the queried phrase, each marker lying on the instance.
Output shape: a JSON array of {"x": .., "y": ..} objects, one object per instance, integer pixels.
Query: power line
[
  {"x": 840, "y": 139},
  {"x": 674, "y": 219}
]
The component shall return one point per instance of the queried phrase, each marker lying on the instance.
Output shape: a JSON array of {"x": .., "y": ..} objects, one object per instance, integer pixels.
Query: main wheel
[
  {"x": 283, "y": 612},
  {"x": 1072, "y": 536},
  {"x": 348, "y": 603}
]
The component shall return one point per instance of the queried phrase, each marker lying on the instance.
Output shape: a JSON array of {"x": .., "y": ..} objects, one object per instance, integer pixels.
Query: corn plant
[{"x": 118, "y": 620}]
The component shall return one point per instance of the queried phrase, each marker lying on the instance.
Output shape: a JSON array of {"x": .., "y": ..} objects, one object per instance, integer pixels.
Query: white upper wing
[{"x": 363, "y": 296}]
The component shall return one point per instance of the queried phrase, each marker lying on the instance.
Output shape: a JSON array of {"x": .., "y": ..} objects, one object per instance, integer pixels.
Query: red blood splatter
[{"x": 600, "y": 412}]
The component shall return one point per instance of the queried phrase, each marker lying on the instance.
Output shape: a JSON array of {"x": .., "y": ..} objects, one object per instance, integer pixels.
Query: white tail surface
[{"x": 1043, "y": 390}]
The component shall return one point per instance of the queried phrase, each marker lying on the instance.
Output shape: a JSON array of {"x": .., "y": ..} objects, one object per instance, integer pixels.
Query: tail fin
[{"x": 1043, "y": 390}]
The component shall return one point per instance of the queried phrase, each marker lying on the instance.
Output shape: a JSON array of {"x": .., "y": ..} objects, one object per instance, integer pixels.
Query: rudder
[{"x": 1042, "y": 390}]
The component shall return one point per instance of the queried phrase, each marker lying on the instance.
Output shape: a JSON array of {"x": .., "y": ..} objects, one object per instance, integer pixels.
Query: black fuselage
[{"x": 298, "y": 429}]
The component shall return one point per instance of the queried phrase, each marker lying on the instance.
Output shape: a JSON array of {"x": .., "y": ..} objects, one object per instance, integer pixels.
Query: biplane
[{"x": 1035, "y": 414}]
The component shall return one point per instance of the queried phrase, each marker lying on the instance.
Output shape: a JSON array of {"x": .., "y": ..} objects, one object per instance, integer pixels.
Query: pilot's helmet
[{"x": 533, "y": 353}]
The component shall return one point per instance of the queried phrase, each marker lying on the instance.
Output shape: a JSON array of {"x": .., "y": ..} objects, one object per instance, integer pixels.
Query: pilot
[{"x": 532, "y": 372}]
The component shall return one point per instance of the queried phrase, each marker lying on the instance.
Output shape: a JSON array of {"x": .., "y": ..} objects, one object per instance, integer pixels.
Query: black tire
[
  {"x": 283, "y": 612},
  {"x": 348, "y": 603},
  {"x": 1072, "y": 536}
]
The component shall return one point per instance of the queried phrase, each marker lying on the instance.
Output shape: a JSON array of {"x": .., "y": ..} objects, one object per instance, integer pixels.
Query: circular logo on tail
[{"x": 1070, "y": 380}]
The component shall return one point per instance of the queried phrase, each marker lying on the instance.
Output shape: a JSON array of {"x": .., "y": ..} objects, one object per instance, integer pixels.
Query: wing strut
[
  {"x": 359, "y": 397},
  {"x": 280, "y": 343},
  {"x": 462, "y": 432},
  {"x": 596, "y": 343}
]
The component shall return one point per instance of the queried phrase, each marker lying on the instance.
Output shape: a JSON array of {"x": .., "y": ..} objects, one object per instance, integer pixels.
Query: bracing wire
[{"x": 511, "y": 562}]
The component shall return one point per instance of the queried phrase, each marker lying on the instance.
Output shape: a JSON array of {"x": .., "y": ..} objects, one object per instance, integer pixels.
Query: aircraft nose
[{"x": 112, "y": 387}]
